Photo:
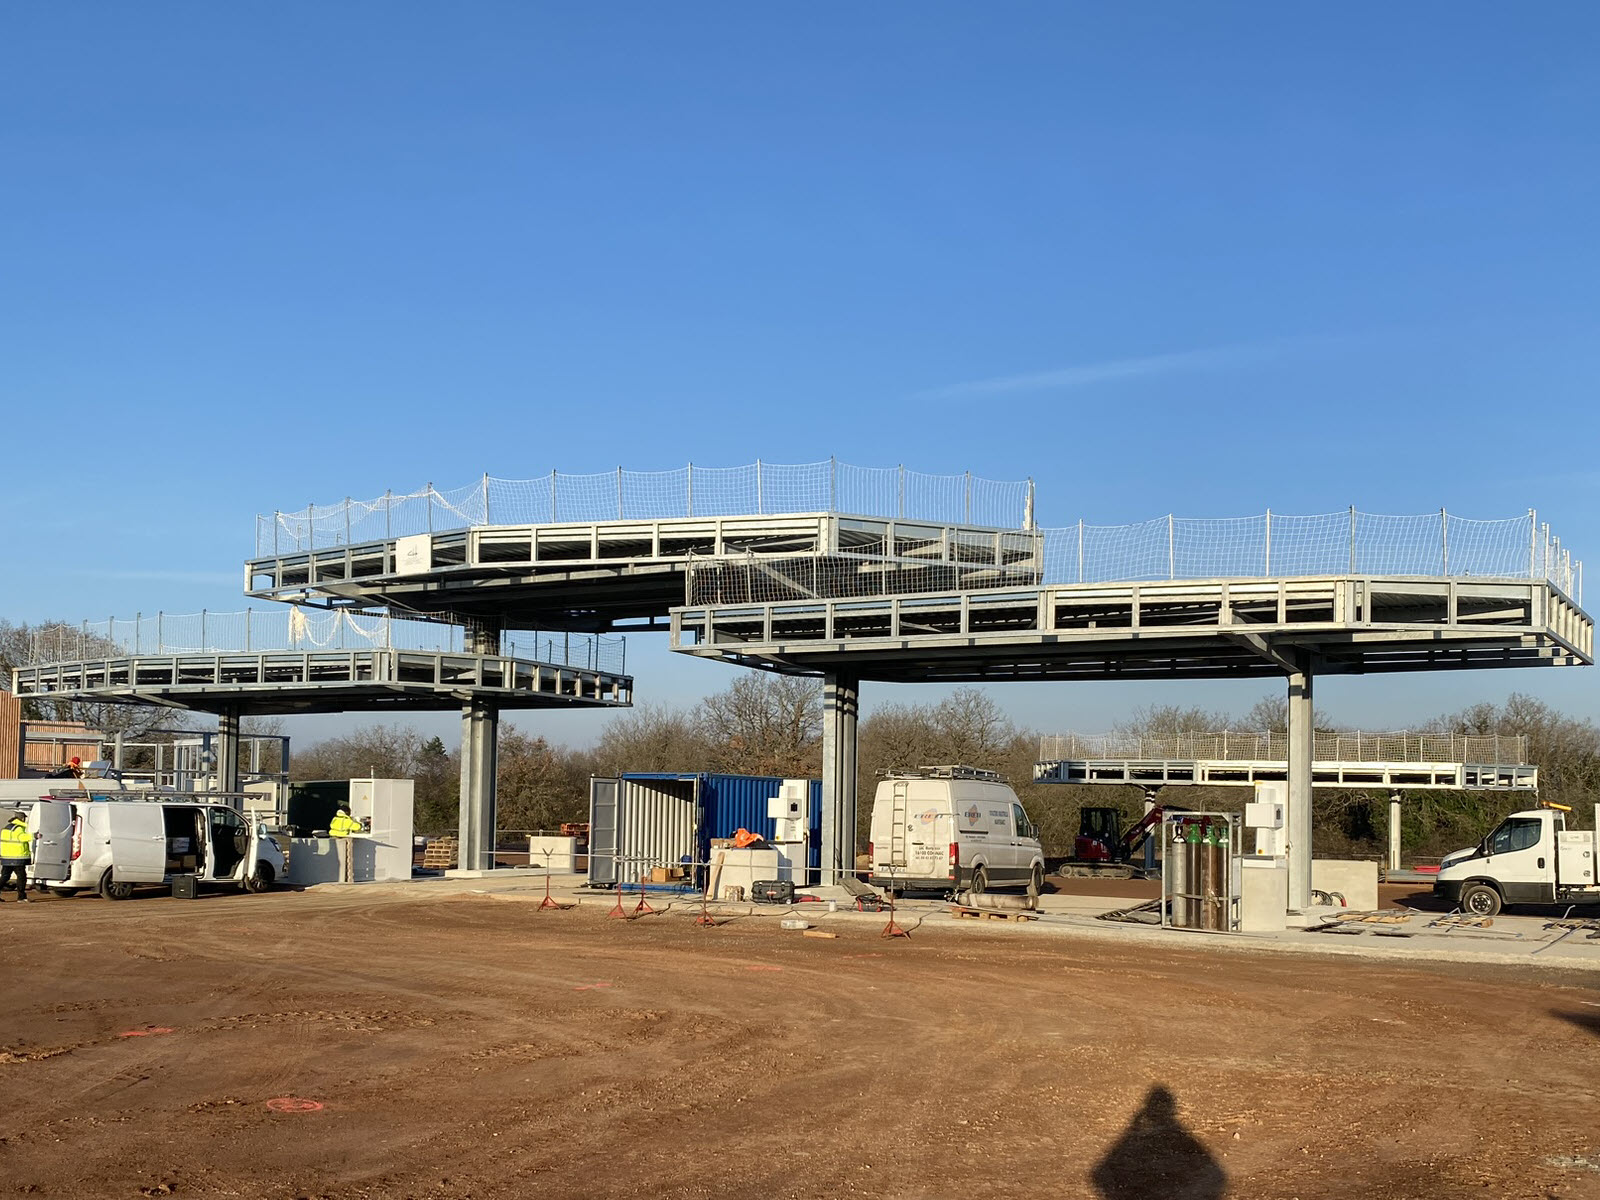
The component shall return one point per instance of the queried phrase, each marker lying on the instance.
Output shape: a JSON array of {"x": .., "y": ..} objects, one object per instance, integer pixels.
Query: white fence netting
[
  {"x": 301, "y": 629},
  {"x": 1230, "y": 746},
  {"x": 689, "y": 491},
  {"x": 1273, "y": 545}
]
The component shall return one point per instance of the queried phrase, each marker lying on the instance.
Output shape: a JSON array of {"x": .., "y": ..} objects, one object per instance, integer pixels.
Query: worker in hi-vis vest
[
  {"x": 343, "y": 830},
  {"x": 16, "y": 852}
]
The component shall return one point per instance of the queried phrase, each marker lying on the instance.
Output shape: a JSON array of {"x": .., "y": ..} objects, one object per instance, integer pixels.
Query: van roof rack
[{"x": 947, "y": 771}]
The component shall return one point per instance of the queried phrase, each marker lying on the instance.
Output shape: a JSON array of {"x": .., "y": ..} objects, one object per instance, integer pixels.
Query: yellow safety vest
[
  {"x": 16, "y": 843},
  {"x": 343, "y": 826}
]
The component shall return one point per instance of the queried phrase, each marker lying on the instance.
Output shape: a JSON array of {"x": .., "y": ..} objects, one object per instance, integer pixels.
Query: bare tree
[
  {"x": 765, "y": 725},
  {"x": 651, "y": 737}
]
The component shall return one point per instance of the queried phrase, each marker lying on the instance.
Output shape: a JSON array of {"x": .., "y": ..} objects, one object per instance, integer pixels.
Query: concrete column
[
  {"x": 228, "y": 748},
  {"x": 480, "y": 727},
  {"x": 1298, "y": 816},
  {"x": 1394, "y": 830},
  {"x": 841, "y": 702}
]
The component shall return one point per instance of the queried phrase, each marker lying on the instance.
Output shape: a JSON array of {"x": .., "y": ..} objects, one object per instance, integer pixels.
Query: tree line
[{"x": 772, "y": 725}]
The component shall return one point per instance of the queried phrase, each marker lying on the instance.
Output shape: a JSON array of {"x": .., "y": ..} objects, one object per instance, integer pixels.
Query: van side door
[
  {"x": 51, "y": 821},
  {"x": 1027, "y": 840},
  {"x": 138, "y": 842}
]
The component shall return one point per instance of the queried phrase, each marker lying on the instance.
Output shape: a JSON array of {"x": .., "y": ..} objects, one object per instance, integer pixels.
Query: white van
[
  {"x": 951, "y": 829},
  {"x": 112, "y": 846}
]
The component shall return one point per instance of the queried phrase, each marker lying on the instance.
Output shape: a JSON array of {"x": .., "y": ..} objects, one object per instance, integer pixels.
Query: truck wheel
[
  {"x": 261, "y": 881},
  {"x": 1038, "y": 879},
  {"x": 979, "y": 883},
  {"x": 1480, "y": 900},
  {"x": 110, "y": 889}
]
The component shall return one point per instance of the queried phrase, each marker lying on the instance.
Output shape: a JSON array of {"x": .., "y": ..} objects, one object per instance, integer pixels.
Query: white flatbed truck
[{"x": 1529, "y": 858}]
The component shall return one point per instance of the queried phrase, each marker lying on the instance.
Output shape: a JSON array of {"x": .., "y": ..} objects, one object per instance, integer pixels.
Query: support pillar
[
  {"x": 841, "y": 702},
  {"x": 480, "y": 727},
  {"x": 1152, "y": 836},
  {"x": 228, "y": 748},
  {"x": 1394, "y": 830},
  {"x": 480, "y": 743},
  {"x": 1298, "y": 817}
]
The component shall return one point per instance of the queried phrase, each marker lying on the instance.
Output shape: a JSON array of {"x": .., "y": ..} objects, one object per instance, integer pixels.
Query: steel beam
[
  {"x": 1301, "y": 740},
  {"x": 228, "y": 748},
  {"x": 841, "y": 703}
]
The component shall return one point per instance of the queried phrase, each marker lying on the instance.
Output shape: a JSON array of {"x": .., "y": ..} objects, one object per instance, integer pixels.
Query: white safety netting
[
  {"x": 1435, "y": 545},
  {"x": 690, "y": 491},
  {"x": 301, "y": 629},
  {"x": 1247, "y": 746}
]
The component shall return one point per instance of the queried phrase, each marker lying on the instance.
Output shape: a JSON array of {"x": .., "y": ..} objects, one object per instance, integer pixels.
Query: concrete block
[
  {"x": 1356, "y": 881},
  {"x": 744, "y": 868},
  {"x": 1263, "y": 897},
  {"x": 563, "y": 853}
]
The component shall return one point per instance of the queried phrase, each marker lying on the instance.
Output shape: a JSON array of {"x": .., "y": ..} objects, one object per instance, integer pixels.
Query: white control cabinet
[{"x": 384, "y": 852}]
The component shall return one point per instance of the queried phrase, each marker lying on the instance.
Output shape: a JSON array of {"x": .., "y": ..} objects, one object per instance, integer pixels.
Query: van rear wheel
[
  {"x": 979, "y": 883},
  {"x": 110, "y": 889}
]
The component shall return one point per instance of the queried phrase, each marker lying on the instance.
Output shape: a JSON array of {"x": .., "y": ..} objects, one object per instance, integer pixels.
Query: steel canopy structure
[
  {"x": 810, "y": 582},
  {"x": 604, "y": 575},
  {"x": 292, "y": 682},
  {"x": 1196, "y": 629},
  {"x": 1203, "y": 629}
]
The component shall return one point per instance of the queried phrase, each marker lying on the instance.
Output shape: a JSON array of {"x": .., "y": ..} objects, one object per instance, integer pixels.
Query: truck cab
[{"x": 1531, "y": 857}]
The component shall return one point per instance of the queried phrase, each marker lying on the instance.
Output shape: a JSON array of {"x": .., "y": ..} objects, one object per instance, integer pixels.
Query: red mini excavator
[{"x": 1102, "y": 849}]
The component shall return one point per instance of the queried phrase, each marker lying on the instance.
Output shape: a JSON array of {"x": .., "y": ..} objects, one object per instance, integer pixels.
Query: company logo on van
[{"x": 974, "y": 815}]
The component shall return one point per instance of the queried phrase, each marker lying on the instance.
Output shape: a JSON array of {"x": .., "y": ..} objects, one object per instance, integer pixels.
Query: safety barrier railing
[
  {"x": 291, "y": 628},
  {"x": 1271, "y": 746},
  {"x": 691, "y": 491},
  {"x": 1275, "y": 545}
]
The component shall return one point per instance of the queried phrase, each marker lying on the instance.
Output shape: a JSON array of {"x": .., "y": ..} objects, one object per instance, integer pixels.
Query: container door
[
  {"x": 700, "y": 845},
  {"x": 52, "y": 849},
  {"x": 138, "y": 843},
  {"x": 603, "y": 797}
]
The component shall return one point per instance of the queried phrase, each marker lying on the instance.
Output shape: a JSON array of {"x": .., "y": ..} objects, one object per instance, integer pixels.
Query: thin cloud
[
  {"x": 201, "y": 577},
  {"x": 1065, "y": 379}
]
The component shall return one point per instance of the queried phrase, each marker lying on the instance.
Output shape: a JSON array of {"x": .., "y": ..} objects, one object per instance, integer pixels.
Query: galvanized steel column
[
  {"x": 480, "y": 732},
  {"x": 1301, "y": 741},
  {"x": 227, "y": 748},
  {"x": 841, "y": 702},
  {"x": 1394, "y": 830},
  {"x": 479, "y": 736}
]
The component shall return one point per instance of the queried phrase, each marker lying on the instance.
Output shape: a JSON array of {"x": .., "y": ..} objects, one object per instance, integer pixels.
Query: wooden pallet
[
  {"x": 440, "y": 854},
  {"x": 991, "y": 914},
  {"x": 1461, "y": 921}
]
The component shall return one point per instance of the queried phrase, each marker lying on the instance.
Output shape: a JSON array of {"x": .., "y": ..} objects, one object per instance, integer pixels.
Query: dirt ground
[{"x": 370, "y": 1044}]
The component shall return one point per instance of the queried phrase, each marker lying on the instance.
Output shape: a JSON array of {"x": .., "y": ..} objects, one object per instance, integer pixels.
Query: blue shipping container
[{"x": 729, "y": 803}]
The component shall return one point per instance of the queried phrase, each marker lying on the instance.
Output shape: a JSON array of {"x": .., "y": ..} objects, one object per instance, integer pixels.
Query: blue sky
[{"x": 1168, "y": 257}]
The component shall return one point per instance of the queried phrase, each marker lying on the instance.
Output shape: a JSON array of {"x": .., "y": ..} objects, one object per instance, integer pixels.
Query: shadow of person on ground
[
  {"x": 1156, "y": 1158},
  {"x": 1589, "y": 1022}
]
